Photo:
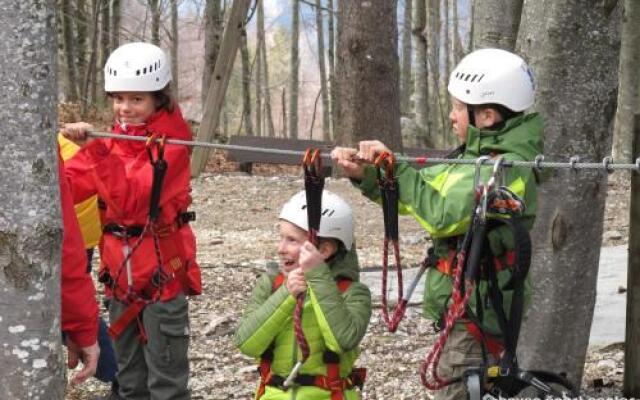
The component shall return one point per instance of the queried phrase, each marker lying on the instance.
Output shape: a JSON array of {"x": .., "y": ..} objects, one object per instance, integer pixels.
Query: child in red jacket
[{"x": 147, "y": 261}]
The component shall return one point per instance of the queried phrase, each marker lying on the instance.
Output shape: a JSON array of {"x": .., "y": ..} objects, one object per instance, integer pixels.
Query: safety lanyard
[
  {"x": 313, "y": 186},
  {"x": 389, "y": 197}
]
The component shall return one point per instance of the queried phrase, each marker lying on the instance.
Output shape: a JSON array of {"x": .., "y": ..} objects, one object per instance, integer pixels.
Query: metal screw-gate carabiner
[
  {"x": 479, "y": 161},
  {"x": 497, "y": 169}
]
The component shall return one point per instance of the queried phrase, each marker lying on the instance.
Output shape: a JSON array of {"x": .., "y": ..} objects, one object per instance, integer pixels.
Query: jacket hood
[
  {"x": 521, "y": 135},
  {"x": 346, "y": 265}
]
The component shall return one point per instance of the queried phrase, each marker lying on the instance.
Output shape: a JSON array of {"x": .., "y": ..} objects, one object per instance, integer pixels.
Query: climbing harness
[
  {"x": 313, "y": 186},
  {"x": 331, "y": 382},
  {"x": 494, "y": 206},
  {"x": 135, "y": 300}
]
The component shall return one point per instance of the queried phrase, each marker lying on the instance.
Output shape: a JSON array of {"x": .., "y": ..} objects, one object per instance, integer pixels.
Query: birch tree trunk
[
  {"x": 246, "y": 86},
  {"x": 326, "y": 124},
  {"x": 421, "y": 90},
  {"x": 265, "y": 66},
  {"x": 495, "y": 23},
  {"x": 212, "y": 37},
  {"x": 573, "y": 47},
  {"x": 367, "y": 74},
  {"x": 629, "y": 86},
  {"x": 406, "y": 88},
  {"x": 30, "y": 223},
  {"x": 174, "y": 48},
  {"x": 294, "y": 84},
  {"x": 68, "y": 45}
]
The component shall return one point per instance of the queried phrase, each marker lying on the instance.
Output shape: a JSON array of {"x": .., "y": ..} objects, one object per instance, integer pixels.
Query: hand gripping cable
[
  {"x": 313, "y": 186},
  {"x": 135, "y": 301},
  {"x": 389, "y": 196}
]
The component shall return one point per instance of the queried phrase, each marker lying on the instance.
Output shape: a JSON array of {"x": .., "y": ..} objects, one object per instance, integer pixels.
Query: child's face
[
  {"x": 133, "y": 107},
  {"x": 459, "y": 117},
  {"x": 291, "y": 239}
]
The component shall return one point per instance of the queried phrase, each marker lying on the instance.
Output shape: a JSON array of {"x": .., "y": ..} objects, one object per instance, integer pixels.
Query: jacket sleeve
[
  {"x": 440, "y": 198},
  {"x": 127, "y": 192},
  {"x": 343, "y": 317},
  {"x": 78, "y": 295},
  {"x": 265, "y": 316}
]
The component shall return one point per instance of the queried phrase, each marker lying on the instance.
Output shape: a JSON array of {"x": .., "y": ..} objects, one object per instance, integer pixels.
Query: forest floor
[{"x": 236, "y": 233}]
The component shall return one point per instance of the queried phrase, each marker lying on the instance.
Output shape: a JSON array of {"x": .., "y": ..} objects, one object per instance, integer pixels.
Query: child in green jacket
[
  {"x": 335, "y": 315},
  {"x": 490, "y": 91}
]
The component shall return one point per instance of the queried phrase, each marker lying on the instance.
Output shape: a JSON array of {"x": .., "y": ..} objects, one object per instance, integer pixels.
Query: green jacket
[
  {"x": 441, "y": 199},
  {"x": 331, "y": 320}
]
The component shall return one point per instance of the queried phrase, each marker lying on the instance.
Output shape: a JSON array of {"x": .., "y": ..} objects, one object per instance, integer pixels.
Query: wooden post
[
  {"x": 220, "y": 82},
  {"x": 631, "y": 386}
]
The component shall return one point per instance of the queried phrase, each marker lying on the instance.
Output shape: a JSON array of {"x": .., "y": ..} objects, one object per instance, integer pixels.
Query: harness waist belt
[
  {"x": 446, "y": 265},
  {"x": 136, "y": 230},
  {"x": 355, "y": 379}
]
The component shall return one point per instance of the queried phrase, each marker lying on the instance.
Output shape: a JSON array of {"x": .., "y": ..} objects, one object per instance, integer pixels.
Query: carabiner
[
  {"x": 479, "y": 161},
  {"x": 389, "y": 161},
  {"x": 497, "y": 169}
]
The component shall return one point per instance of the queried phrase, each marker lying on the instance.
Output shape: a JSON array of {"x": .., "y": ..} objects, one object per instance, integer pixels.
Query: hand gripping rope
[
  {"x": 313, "y": 186},
  {"x": 133, "y": 300},
  {"x": 389, "y": 196}
]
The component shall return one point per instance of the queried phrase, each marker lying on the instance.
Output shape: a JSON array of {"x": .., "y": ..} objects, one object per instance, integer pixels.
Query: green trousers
[{"x": 159, "y": 369}]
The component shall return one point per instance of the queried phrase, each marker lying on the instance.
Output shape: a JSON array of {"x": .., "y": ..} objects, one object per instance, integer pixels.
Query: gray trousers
[{"x": 159, "y": 369}]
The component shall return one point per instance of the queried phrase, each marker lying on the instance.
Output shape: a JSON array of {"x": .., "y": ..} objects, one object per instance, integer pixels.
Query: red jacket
[
  {"x": 79, "y": 307},
  {"x": 120, "y": 172}
]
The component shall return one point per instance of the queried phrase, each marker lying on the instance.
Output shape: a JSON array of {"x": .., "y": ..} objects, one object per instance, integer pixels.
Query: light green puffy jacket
[
  {"x": 441, "y": 199},
  {"x": 331, "y": 320}
]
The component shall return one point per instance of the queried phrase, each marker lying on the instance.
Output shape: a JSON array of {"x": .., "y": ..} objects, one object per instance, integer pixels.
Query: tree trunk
[
  {"x": 284, "y": 112},
  {"x": 406, "y": 87},
  {"x": 30, "y": 226},
  {"x": 568, "y": 229},
  {"x": 332, "y": 66},
  {"x": 212, "y": 37},
  {"x": 71, "y": 92},
  {"x": 294, "y": 84},
  {"x": 433, "y": 63},
  {"x": 629, "y": 86},
  {"x": 154, "y": 8},
  {"x": 258, "y": 83},
  {"x": 326, "y": 124},
  {"x": 495, "y": 23},
  {"x": 90, "y": 90},
  {"x": 447, "y": 64},
  {"x": 458, "y": 52},
  {"x": 174, "y": 49},
  {"x": 246, "y": 86},
  {"x": 82, "y": 22},
  {"x": 421, "y": 91},
  {"x": 367, "y": 74},
  {"x": 105, "y": 41},
  {"x": 116, "y": 18},
  {"x": 265, "y": 66}
]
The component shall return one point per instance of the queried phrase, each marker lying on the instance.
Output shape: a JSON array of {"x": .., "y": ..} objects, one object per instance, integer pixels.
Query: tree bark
[
  {"x": 212, "y": 37},
  {"x": 629, "y": 86},
  {"x": 174, "y": 48},
  {"x": 105, "y": 41},
  {"x": 495, "y": 23},
  {"x": 68, "y": 44},
  {"x": 294, "y": 84},
  {"x": 367, "y": 74},
  {"x": 82, "y": 22},
  {"x": 154, "y": 8},
  {"x": 421, "y": 90},
  {"x": 458, "y": 51},
  {"x": 447, "y": 63},
  {"x": 326, "y": 124},
  {"x": 406, "y": 88},
  {"x": 573, "y": 49},
  {"x": 90, "y": 91},
  {"x": 30, "y": 226},
  {"x": 116, "y": 18},
  {"x": 265, "y": 66},
  {"x": 246, "y": 85},
  {"x": 433, "y": 64},
  {"x": 258, "y": 83}
]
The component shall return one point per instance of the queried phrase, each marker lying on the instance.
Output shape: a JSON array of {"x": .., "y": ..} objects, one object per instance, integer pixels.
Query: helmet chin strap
[{"x": 125, "y": 125}]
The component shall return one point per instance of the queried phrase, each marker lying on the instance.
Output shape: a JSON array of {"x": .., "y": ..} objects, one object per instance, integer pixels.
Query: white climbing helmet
[
  {"x": 137, "y": 67},
  {"x": 336, "y": 221},
  {"x": 493, "y": 76}
]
